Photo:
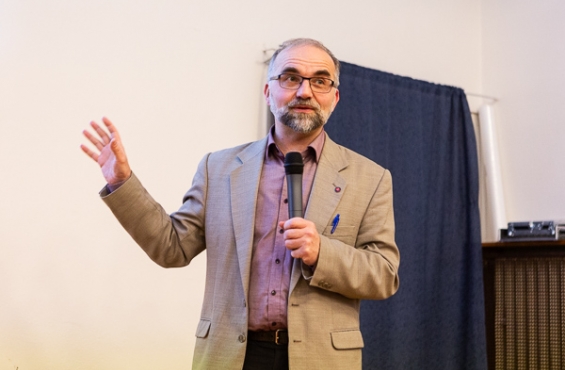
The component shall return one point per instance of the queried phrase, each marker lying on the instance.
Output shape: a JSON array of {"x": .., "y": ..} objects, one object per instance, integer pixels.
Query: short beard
[{"x": 300, "y": 122}]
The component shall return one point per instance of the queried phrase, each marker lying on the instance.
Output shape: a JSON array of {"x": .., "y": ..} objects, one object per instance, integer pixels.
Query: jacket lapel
[
  {"x": 244, "y": 185},
  {"x": 324, "y": 196}
]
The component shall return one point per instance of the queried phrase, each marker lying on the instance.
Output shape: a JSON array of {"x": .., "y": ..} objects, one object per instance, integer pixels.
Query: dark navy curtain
[{"x": 422, "y": 132}]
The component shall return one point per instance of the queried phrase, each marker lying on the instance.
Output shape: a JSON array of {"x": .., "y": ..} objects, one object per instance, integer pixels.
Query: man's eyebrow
[
  {"x": 321, "y": 72},
  {"x": 290, "y": 70}
]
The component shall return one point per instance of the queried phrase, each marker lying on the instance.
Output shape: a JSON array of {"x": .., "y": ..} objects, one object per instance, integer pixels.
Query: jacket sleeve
[
  {"x": 169, "y": 240},
  {"x": 367, "y": 269}
]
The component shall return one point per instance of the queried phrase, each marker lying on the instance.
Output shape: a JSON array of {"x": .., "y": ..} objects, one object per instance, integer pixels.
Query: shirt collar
[{"x": 314, "y": 150}]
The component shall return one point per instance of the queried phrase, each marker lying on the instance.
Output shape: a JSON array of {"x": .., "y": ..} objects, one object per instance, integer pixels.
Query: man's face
[{"x": 302, "y": 110}]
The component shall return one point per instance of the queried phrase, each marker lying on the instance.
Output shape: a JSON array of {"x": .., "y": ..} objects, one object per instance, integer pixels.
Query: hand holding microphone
[{"x": 300, "y": 235}]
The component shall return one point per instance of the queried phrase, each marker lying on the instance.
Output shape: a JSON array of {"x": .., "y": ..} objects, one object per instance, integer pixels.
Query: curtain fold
[{"x": 422, "y": 132}]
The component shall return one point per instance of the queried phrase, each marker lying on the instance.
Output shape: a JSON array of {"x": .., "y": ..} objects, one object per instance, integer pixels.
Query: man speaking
[{"x": 281, "y": 292}]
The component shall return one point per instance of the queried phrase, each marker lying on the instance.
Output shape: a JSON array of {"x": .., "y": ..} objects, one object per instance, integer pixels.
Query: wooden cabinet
[{"x": 524, "y": 285}]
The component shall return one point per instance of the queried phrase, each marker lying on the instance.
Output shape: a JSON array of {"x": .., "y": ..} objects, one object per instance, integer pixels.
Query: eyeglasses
[{"x": 292, "y": 81}]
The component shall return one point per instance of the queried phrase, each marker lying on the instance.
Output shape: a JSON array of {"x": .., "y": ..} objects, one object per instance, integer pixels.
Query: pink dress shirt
[{"x": 271, "y": 263}]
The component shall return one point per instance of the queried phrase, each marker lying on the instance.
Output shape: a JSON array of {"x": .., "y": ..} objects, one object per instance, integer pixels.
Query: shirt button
[
  {"x": 241, "y": 338},
  {"x": 273, "y": 292},
  {"x": 277, "y": 261},
  {"x": 285, "y": 201},
  {"x": 281, "y": 231}
]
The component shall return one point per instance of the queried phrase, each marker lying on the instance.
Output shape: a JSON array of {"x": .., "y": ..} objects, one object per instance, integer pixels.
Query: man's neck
[{"x": 288, "y": 140}]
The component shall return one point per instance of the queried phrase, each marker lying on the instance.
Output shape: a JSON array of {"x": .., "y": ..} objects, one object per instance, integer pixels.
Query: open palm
[{"x": 111, "y": 156}]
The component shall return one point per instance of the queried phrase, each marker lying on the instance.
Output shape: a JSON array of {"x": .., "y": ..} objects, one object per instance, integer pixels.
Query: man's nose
[{"x": 304, "y": 90}]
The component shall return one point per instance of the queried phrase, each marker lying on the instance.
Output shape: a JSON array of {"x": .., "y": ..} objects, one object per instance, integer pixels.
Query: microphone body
[{"x": 293, "y": 168}]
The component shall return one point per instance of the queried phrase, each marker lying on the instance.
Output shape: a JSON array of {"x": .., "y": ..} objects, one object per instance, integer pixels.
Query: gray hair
[{"x": 300, "y": 42}]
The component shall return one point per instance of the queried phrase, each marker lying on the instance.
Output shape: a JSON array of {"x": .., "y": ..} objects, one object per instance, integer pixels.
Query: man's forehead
[{"x": 304, "y": 57}]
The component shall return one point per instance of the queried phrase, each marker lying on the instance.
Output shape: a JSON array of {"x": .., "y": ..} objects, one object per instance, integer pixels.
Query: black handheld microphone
[{"x": 293, "y": 167}]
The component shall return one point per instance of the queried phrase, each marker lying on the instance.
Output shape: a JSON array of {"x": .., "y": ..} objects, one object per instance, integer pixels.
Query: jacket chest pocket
[{"x": 344, "y": 233}]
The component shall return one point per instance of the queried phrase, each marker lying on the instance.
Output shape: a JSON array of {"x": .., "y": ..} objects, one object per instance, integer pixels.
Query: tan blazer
[{"x": 358, "y": 261}]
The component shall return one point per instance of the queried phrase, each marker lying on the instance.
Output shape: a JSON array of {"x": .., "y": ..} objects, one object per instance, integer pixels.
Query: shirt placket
[{"x": 280, "y": 268}]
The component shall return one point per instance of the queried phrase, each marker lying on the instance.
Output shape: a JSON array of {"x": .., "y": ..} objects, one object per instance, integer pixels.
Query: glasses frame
[{"x": 300, "y": 84}]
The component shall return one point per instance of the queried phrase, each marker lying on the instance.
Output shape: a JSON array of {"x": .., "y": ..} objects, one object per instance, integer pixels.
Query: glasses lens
[
  {"x": 317, "y": 84},
  {"x": 290, "y": 81},
  {"x": 320, "y": 84}
]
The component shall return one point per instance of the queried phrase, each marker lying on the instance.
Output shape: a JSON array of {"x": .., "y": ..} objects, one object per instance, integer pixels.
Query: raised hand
[{"x": 111, "y": 156}]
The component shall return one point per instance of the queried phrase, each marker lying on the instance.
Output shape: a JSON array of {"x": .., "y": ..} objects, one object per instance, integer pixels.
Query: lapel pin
[{"x": 337, "y": 189}]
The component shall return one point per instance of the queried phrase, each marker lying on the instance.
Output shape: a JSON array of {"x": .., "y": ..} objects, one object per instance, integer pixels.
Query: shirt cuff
[
  {"x": 307, "y": 271},
  {"x": 114, "y": 187}
]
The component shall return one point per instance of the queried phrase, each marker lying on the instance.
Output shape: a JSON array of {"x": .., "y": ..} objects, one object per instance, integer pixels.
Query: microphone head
[{"x": 293, "y": 163}]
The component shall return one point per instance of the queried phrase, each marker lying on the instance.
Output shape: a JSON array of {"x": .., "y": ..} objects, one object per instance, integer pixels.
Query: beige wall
[
  {"x": 523, "y": 62},
  {"x": 181, "y": 78}
]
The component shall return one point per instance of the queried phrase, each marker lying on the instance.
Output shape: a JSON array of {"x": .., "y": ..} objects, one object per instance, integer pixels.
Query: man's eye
[
  {"x": 292, "y": 78},
  {"x": 319, "y": 81}
]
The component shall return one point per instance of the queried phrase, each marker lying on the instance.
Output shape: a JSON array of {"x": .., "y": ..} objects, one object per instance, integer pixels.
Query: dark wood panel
[{"x": 501, "y": 251}]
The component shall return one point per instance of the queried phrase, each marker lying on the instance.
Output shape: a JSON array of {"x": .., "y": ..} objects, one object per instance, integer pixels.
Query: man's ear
[
  {"x": 267, "y": 93},
  {"x": 336, "y": 99}
]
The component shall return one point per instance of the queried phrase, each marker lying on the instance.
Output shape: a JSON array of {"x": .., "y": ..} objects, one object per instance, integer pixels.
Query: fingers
[
  {"x": 113, "y": 130},
  {"x": 94, "y": 140},
  {"x": 103, "y": 137},
  {"x": 89, "y": 152},
  {"x": 297, "y": 228},
  {"x": 302, "y": 239},
  {"x": 294, "y": 240}
]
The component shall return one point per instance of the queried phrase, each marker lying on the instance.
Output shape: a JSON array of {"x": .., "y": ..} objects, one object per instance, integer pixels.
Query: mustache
[{"x": 304, "y": 103}]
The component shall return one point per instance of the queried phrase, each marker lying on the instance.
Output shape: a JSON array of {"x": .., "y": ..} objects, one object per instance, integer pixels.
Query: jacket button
[{"x": 241, "y": 338}]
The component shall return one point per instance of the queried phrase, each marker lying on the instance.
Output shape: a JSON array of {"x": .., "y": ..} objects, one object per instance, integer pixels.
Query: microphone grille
[{"x": 293, "y": 163}]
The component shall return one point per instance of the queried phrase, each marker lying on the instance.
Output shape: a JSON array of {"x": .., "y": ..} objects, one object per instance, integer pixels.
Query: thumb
[{"x": 118, "y": 150}]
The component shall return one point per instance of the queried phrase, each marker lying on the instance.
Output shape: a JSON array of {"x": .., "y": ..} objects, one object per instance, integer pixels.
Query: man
[{"x": 280, "y": 293}]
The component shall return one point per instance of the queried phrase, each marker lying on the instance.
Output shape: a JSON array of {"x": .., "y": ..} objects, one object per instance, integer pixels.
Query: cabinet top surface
[{"x": 533, "y": 243}]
